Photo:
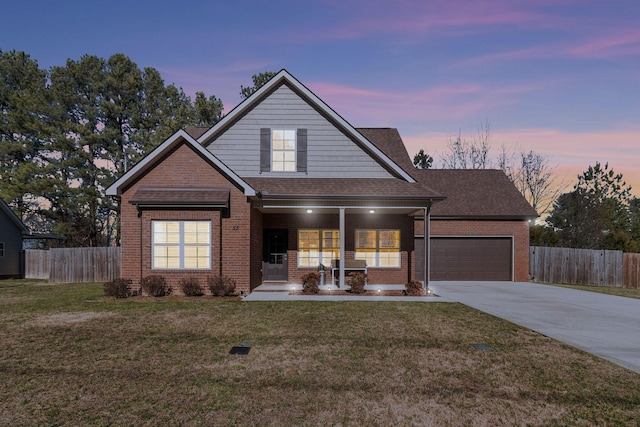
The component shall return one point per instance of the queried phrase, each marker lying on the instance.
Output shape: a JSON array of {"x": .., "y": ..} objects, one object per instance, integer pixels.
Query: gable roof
[
  {"x": 470, "y": 193},
  {"x": 152, "y": 158},
  {"x": 196, "y": 132},
  {"x": 13, "y": 217},
  {"x": 175, "y": 196},
  {"x": 283, "y": 77},
  {"x": 389, "y": 141},
  {"x": 475, "y": 193}
]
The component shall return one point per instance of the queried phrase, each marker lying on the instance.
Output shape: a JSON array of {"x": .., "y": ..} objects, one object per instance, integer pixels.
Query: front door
[{"x": 275, "y": 265}]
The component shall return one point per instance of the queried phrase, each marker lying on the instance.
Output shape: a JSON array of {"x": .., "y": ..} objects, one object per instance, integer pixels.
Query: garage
[{"x": 467, "y": 258}]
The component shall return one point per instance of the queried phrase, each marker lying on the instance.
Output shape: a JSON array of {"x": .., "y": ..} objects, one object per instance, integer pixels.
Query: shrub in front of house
[
  {"x": 221, "y": 286},
  {"x": 310, "y": 283},
  {"x": 413, "y": 288},
  {"x": 155, "y": 286},
  {"x": 118, "y": 288},
  {"x": 357, "y": 281},
  {"x": 191, "y": 287}
]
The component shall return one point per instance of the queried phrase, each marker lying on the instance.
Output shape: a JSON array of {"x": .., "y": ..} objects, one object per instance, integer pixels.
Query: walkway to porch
[{"x": 292, "y": 292}]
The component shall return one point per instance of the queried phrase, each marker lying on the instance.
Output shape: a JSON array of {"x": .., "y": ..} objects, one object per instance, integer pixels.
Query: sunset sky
[{"x": 559, "y": 77}]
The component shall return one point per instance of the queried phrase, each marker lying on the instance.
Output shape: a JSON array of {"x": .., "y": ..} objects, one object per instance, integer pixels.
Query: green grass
[
  {"x": 622, "y": 292},
  {"x": 70, "y": 356}
]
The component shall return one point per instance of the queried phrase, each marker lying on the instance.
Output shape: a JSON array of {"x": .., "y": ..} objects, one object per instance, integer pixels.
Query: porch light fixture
[
  {"x": 309, "y": 210},
  {"x": 372, "y": 211}
]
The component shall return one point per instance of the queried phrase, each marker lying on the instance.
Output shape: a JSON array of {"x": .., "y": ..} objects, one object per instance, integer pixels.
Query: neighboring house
[
  {"x": 283, "y": 184},
  {"x": 11, "y": 231}
]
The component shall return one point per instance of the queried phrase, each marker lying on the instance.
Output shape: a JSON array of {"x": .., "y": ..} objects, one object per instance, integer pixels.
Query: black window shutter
[
  {"x": 265, "y": 150},
  {"x": 301, "y": 147}
]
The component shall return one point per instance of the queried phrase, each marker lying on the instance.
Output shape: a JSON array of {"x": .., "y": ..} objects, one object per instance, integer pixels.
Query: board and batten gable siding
[{"x": 330, "y": 153}]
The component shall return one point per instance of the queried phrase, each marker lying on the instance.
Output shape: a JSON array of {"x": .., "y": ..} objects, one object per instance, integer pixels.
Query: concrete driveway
[{"x": 604, "y": 325}]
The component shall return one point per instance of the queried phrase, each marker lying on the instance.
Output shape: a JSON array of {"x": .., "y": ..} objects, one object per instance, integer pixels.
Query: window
[
  {"x": 1, "y": 249},
  {"x": 283, "y": 150},
  {"x": 181, "y": 244},
  {"x": 317, "y": 247},
  {"x": 379, "y": 248}
]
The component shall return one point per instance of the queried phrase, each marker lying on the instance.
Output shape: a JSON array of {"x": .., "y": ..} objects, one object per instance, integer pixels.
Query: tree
[
  {"x": 110, "y": 115},
  {"x": 577, "y": 219},
  {"x": 536, "y": 181},
  {"x": 258, "y": 81},
  {"x": 540, "y": 235},
  {"x": 66, "y": 134},
  {"x": 422, "y": 160},
  {"x": 596, "y": 214},
  {"x": 23, "y": 121},
  {"x": 533, "y": 176},
  {"x": 634, "y": 213},
  {"x": 469, "y": 155},
  {"x": 207, "y": 111},
  {"x": 609, "y": 188}
]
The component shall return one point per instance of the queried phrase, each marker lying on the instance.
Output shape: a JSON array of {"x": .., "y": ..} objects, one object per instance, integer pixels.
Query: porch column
[
  {"x": 427, "y": 245},
  {"x": 342, "y": 232}
]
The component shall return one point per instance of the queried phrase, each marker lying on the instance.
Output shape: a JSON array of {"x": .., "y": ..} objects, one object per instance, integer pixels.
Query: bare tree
[
  {"x": 536, "y": 181},
  {"x": 458, "y": 153},
  {"x": 469, "y": 155},
  {"x": 506, "y": 160},
  {"x": 481, "y": 146}
]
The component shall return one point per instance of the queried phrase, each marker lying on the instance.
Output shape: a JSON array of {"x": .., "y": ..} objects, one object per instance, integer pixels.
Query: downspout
[
  {"x": 427, "y": 245},
  {"x": 141, "y": 259},
  {"x": 342, "y": 261},
  {"x": 220, "y": 244}
]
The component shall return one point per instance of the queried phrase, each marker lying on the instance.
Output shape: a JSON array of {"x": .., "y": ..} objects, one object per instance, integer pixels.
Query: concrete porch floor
[{"x": 282, "y": 292}]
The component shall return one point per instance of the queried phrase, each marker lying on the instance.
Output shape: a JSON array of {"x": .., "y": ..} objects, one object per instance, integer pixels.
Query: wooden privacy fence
[
  {"x": 36, "y": 264},
  {"x": 584, "y": 267},
  {"x": 73, "y": 265},
  {"x": 631, "y": 269}
]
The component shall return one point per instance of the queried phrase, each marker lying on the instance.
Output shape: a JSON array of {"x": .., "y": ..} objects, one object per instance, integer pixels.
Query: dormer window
[{"x": 283, "y": 150}]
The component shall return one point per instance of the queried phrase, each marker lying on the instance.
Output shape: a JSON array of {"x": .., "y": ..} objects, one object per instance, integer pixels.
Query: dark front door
[{"x": 275, "y": 265}]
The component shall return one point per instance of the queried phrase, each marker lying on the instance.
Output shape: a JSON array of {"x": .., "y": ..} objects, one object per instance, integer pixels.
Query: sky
[{"x": 559, "y": 77}]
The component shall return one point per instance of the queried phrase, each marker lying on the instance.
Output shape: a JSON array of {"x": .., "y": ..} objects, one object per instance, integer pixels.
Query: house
[
  {"x": 283, "y": 185},
  {"x": 11, "y": 231}
]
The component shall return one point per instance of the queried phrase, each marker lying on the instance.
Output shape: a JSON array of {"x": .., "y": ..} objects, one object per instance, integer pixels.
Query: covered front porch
[{"x": 375, "y": 236}]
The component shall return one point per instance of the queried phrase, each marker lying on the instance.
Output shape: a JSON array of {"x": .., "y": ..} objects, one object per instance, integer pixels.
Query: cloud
[
  {"x": 222, "y": 81},
  {"x": 410, "y": 19},
  {"x": 437, "y": 103},
  {"x": 623, "y": 42}
]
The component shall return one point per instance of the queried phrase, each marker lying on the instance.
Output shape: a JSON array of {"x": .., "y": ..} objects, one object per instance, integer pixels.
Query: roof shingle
[
  {"x": 375, "y": 188},
  {"x": 476, "y": 193},
  {"x": 181, "y": 196}
]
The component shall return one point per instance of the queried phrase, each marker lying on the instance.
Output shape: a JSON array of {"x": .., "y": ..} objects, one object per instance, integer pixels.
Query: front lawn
[
  {"x": 610, "y": 290},
  {"x": 69, "y": 356}
]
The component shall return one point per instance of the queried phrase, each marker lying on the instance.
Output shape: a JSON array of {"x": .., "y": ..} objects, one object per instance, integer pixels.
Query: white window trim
[
  {"x": 377, "y": 248},
  {"x": 181, "y": 246},
  {"x": 295, "y": 151},
  {"x": 320, "y": 249}
]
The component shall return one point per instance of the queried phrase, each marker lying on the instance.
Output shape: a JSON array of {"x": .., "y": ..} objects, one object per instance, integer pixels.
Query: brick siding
[
  {"x": 518, "y": 229},
  {"x": 186, "y": 168}
]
